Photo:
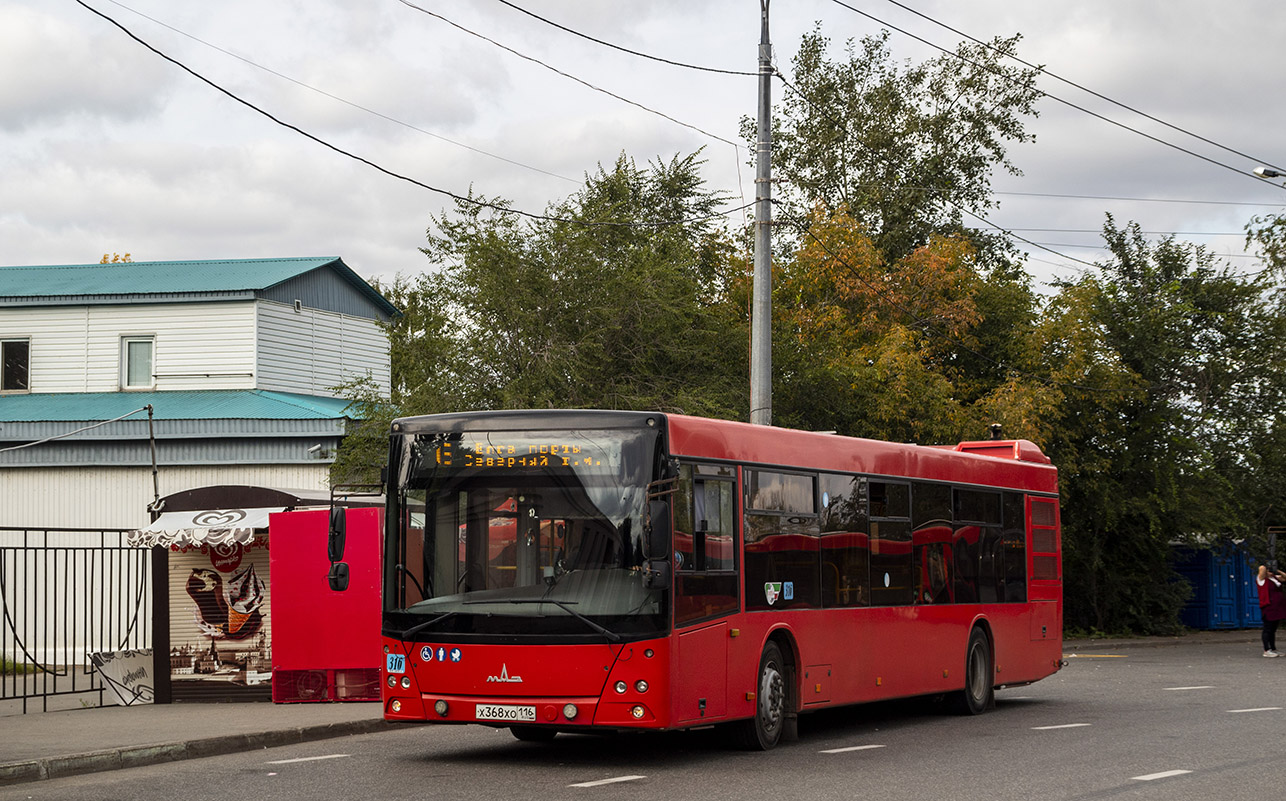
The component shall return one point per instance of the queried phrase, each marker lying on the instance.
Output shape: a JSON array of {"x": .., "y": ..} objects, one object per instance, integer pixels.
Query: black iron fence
[{"x": 66, "y": 594}]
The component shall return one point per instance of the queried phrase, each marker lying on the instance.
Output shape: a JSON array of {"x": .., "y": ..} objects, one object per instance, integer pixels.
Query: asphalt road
[{"x": 1189, "y": 721}]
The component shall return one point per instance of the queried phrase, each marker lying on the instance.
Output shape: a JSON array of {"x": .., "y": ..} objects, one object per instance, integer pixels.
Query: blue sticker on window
[{"x": 788, "y": 590}]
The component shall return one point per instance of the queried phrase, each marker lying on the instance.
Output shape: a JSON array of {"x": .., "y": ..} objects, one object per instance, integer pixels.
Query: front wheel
[
  {"x": 979, "y": 693},
  {"x": 763, "y": 731}
]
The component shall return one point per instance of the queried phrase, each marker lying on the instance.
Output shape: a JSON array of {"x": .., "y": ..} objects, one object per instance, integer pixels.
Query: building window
[
  {"x": 136, "y": 362},
  {"x": 15, "y": 365}
]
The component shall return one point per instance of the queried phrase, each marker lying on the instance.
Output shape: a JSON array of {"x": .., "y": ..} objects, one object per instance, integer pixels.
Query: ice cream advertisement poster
[{"x": 219, "y": 623}]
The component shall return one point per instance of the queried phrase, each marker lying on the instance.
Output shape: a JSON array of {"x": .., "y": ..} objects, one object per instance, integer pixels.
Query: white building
[{"x": 238, "y": 361}]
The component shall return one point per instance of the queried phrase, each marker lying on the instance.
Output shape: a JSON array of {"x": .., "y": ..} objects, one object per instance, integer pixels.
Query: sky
[{"x": 105, "y": 147}]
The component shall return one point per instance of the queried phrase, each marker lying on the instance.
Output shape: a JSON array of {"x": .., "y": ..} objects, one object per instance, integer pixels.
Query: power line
[
  {"x": 494, "y": 206},
  {"x": 73, "y": 433},
  {"x": 1117, "y": 103},
  {"x": 350, "y": 103},
  {"x": 1135, "y": 199},
  {"x": 625, "y": 49},
  {"x": 567, "y": 75},
  {"x": 1055, "y": 98}
]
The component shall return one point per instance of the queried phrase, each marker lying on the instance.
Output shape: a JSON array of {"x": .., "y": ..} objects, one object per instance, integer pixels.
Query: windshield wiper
[
  {"x": 418, "y": 627},
  {"x": 563, "y": 605}
]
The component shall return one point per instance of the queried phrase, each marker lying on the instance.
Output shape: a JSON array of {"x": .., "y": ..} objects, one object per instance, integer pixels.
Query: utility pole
[{"x": 761, "y": 304}]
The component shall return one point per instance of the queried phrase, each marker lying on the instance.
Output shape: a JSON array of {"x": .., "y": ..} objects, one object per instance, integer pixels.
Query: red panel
[{"x": 316, "y": 630}]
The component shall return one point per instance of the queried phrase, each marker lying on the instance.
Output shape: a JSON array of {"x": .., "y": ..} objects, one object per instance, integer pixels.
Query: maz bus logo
[{"x": 504, "y": 676}]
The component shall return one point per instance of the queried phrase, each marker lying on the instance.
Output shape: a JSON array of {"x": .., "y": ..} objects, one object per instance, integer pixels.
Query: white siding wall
[
  {"x": 311, "y": 351},
  {"x": 117, "y": 497},
  {"x": 78, "y": 348}
]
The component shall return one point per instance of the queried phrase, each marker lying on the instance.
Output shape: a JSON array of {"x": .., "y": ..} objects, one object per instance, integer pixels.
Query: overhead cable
[
  {"x": 567, "y": 75},
  {"x": 1085, "y": 89},
  {"x": 625, "y": 49},
  {"x": 494, "y": 206},
  {"x": 350, "y": 103},
  {"x": 1055, "y": 98}
]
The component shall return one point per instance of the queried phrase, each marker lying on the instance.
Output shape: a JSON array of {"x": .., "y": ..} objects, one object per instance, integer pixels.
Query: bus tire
[
  {"x": 764, "y": 730},
  {"x": 979, "y": 693},
  {"x": 532, "y": 734}
]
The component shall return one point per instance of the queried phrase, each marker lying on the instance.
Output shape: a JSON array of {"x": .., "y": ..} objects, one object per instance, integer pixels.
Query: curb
[{"x": 139, "y": 755}]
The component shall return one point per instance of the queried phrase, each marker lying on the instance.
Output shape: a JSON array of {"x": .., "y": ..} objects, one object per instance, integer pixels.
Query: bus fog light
[
  {"x": 621, "y": 686},
  {"x": 570, "y": 711},
  {"x": 396, "y": 706},
  {"x": 392, "y": 682},
  {"x": 638, "y": 712},
  {"x": 441, "y": 708},
  {"x": 406, "y": 682},
  {"x": 640, "y": 685}
]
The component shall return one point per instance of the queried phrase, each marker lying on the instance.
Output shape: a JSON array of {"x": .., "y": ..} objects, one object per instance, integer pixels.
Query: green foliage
[{"x": 905, "y": 147}]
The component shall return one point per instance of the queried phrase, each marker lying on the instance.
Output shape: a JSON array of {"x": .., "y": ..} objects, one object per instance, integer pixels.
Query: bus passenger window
[
  {"x": 705, "y": 545},
  {"x": 846, "y": 554}
]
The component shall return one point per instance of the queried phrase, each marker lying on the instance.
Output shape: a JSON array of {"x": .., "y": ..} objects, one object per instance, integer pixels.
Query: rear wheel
[
  {"x": 532, "y": 734},
  {"x": 979, "y": 693},
  {"x": 763, "y": 731}
]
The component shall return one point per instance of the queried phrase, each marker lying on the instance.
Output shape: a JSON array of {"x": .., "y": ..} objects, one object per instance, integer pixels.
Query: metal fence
[{"x": 65, "y": 594}]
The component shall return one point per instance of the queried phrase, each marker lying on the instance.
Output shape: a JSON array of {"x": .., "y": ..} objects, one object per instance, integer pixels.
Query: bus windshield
[{"x": 521, "y": 534}]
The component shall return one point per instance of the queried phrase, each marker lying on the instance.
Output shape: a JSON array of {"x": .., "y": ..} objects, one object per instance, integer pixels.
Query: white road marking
[
  {"x": 601, "y": 782},
  {"x": 1198, "y": 687},
  {"x": 850, "y": 748},
  {"x": 1063, "y": 726},
  {"x": 1257, "y": 709},
  {"x": 1163, "y": 775},
  {"x": 306, "y": 759}
]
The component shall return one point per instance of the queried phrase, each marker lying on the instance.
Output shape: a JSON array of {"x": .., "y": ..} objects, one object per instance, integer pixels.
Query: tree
[
  {"x": 616, "y": 298},
  {"x": 906, "y": 148},
  {"x": 1168, "y": 362}
]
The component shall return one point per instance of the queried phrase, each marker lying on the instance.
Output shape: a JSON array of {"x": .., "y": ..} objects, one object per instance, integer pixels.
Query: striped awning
[{"x": 204, "y": 527}]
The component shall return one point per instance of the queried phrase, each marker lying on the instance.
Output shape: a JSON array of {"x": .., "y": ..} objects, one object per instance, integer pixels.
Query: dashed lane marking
[
  {"x": 1197, "y": 687},
  {"x": 1151, "y": 777},
  {"x": 849, "y": 748},
  {"x": 602, "y": 782},
  {"x": 306, "y": 759},
  {"x": 1256, "y": 709},
  {"x": 1060, "y": 726},
  {"x": 1096, "y": 656}
]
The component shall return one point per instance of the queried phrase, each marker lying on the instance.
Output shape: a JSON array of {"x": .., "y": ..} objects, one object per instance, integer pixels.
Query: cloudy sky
[{"x": 106, "y": 147}]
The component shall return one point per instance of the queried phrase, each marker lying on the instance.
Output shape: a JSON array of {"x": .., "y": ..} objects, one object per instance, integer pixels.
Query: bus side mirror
[
  {"x": 338, "y": 534},
  {"x": 338, "y": 577},
  {"x": 658, "y": 530}
]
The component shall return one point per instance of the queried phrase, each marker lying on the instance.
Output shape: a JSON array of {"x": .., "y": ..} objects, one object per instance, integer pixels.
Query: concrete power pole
[{"x": 761, "y": 305}]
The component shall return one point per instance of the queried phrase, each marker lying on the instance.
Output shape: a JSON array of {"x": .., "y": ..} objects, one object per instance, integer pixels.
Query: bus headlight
[
  {"x": 406, "y": 682},
  {"x": 640, "y": 685},
  {"x": 570, "y": 711},
  {"x": 392, "y": 682},
  {"x": 638, "y": 712},
  {"x": 621, "y": 687},
  {"x": 395, "y": 706}
]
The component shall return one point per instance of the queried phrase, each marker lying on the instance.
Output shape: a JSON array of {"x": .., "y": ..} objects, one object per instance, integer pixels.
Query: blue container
[{"x": 1224, "y": 593}]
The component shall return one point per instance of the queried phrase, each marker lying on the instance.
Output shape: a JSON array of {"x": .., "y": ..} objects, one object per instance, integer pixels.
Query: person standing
[{"x": 1272, "y": 606}]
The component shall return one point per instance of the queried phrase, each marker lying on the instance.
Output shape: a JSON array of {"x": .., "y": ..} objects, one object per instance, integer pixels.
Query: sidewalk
[{"x": 46, "y": 745}]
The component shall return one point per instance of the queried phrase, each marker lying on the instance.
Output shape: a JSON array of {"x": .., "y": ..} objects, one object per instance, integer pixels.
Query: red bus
[{"x": 573, "y": 571}]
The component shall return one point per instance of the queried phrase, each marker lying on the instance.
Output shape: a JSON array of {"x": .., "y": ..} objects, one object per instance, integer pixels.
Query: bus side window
[
  {"x": 892, "y": 562},
  {"x": 1015, "y": 549},
  {"x": 846, "y": 554}
]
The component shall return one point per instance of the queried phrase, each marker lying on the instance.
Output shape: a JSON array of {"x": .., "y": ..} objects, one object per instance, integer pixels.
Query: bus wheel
[
  {"x": 979, "y": 693},
  {"x": 763, "y": 731},
  {"x": 532, "y": 734}
]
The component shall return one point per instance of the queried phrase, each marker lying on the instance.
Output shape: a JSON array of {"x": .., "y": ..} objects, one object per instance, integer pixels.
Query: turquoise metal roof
[
  {"x": 214, "y": 404},
  {"x": 169, "y": 277}
]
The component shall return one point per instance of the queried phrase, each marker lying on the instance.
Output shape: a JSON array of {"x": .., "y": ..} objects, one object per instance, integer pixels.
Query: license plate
[
  {"x": 501, "y": 712},
  {"x": 396, "y": 663}
]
